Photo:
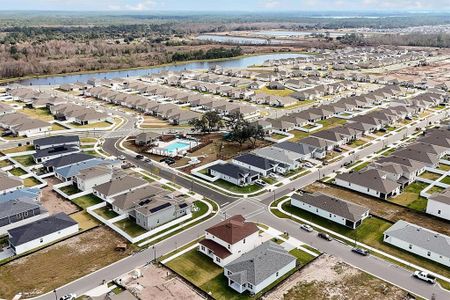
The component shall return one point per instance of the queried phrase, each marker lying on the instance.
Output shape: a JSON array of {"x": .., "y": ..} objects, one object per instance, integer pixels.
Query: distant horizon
[{"x": 252, "y": 6}]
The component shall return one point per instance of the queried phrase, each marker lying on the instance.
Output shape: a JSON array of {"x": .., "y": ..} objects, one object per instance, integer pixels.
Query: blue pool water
[{"x": 176, "y": 146}]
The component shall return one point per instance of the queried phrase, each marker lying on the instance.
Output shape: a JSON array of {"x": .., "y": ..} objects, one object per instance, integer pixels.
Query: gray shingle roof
[
  {"x": 40, "y": 228},
  {"x": 8, "y": 182},
  {"x": 120, "y": 185},
  {"x": 260, "y": 263},
  {"x": 13, "y": 207},
  {"x": 68, "y": 160},
  {"x": 232, "y": 170},
  {"x": 419, "y": 236},
  {"x": 371, "y": 178},
  {"x": 256, "y": 161},
  {"x": 54, "y": 140},
  {"x": 345, "y": 209}
]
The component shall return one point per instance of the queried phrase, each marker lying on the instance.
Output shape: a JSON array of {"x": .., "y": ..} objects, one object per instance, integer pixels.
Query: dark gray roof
[
  {"x": 52, "y": 151},
  {"x": 419, "y": 236},
  {"x": 40, "y": 228},
  {"x": 260, "y": 263},
  {"x": 303, "y": 149},
  {"x": 13, "y": 207},
  {"x": 371, "y": 178},
  {"x": 68, "y": 160},
  {"x": 58, "y": 139},
  {"x": 443, "y": 197},
  {"x": 232, "y": 170},
  {"x": 256, "y": 161},
  {"x": 348, "y": 210},
  {"x": 120, "y": 185}
]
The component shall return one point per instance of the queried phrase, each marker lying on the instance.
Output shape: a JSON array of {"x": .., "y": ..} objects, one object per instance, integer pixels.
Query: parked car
[
  {"x": 338, "y": 150},
  {"x": 168, "y": 160},
  {"x": 308, "y": 165},
  {"x": 139, "y": 156},
  {"x": 260, "y": 182},
  {"x": 360, "y": 251},
  {"x": 68, "y": 297},
  {"x": 425, "y": 277},
  {"x": 347, "y": 164},
  {"x": 121, "y": 157},
  {"x": 273, "y": 175},
  {"x": 324, "y": 236},
  {"x": 147, "y": 160},
  {"x": 306, "y": 227}
]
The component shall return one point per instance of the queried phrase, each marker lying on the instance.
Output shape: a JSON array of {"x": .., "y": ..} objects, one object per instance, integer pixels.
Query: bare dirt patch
[
  {"x": 158, "y": 282},
  {"x": 329, "y": 278},
  {"x": 61, "y": 263},
  {"x": 53, "y": 202},
  {"x": 381, "y": 208}
]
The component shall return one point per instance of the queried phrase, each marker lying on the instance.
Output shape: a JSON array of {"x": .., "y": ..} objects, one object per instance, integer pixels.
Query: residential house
[
  {"x": 339, "y": 211},
  {"x": 256, "y": 163},
  {"x": 259, "y": 268},
  {"x": 18, "y": 212},
  {"x": 57, "y": 141},
  {"x": 419, "y": 241},
  {"x": 229, "y": 239},
  {"x": 438, "y": 204},
  {"x": 9, "y": 183},
  {"x": 233, "y": 174},
  {"x": 116, "y": 186}
]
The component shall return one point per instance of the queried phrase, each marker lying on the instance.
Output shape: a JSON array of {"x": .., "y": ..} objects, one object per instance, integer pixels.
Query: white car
[
  {"x": 121, "y": 157},
  {"x": 260, "y": 182},
  {"x": 306, "y": 227},
  {"x": 68, "y": 297},
  {"x": 425, "y": 276},
  {"x": 308, "y": 165}
]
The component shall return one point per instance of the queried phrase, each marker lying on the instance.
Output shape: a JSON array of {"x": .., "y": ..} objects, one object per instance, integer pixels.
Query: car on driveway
[
  {"x": 306, "y": 227},
  {"x": 260, "y": 182},
  {"x": 168, "y": 160},
  {"x": 308, "y": 165},
  {"x": 425, "y": 277},
  {"x": 360, "y": 251},
  {"x": 324, "y": 236},
  {"x": 139, "y": 156},
  {"x": 121, "y": 157}
]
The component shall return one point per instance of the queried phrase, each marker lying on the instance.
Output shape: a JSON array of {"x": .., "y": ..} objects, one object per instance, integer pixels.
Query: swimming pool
[{"x": 176, "y": 146}]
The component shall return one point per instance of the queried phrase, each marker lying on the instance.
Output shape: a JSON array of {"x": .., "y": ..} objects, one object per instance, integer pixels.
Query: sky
[{"x": 225, "y": 5}]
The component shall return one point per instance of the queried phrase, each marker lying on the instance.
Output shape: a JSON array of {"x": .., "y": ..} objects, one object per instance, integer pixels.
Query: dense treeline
[
  {"x": 440, "y": 40},
  {"x": 209, "y": 54}
]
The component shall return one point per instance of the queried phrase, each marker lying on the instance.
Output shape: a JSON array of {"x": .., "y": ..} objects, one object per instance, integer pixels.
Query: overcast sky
[{"x": 225, "y": 5}]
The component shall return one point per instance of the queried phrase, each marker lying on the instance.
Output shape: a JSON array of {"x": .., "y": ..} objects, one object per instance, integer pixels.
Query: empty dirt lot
[
  {"x": 59, "y": 264},
  {"x": 381, "y": 208},
  {"x": 158, "y": 282},
  {"x": 53, "y": 202},
  {"x": 329, "y": 278}
]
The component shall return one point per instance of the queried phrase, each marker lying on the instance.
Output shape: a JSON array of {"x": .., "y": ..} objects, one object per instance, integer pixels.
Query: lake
[
  {"x": 240, "y": 62},
  {"x": 238, "y": 39}
]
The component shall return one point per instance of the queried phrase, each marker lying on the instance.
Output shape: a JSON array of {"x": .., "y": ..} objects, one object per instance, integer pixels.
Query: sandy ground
[
  {"x": 159, "y": 283},
  {"x": 329, "y": 278},
  {"x": 53, "y": 202},
  {"x": 382, "y": 208}
]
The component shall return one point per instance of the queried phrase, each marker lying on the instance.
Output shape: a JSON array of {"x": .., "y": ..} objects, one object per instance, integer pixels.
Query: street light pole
[{"x": 56, "y": 295}]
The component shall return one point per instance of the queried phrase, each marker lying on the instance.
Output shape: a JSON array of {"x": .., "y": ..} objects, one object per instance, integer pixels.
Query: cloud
[
  {"x": 139, "y": 6},
  {"x": 271, "y": 4}
]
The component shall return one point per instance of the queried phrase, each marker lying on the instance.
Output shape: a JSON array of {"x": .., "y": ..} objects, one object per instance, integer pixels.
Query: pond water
[{"x": 240, "y": 62}]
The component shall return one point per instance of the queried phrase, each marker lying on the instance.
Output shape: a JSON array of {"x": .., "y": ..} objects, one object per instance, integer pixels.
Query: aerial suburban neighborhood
[{"x": 257, "y": 150}]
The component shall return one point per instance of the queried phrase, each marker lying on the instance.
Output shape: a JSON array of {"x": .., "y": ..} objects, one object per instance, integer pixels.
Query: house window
[
  {"x": 368, "y": 189},
  {"x": 203, "y": 248},
  {"x": 439, "y": 212},
  {"x": 330, "y": 215},
  {"x": 317, "y": 210},
  {"x": 250, "y": 286},
  {"x": 244, "y": 241},
  {"x": 217, "y": 259},
  {"x": 229, "y": 273},
  {"x": 229, "y": 247}
]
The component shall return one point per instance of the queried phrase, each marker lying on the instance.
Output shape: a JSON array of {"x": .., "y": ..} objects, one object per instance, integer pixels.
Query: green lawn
[
  {"x": 17, "y": 172},
  {"x": 130, "y": 227},
  {"x": 237, "y": 189},
  {"x": 410, "y": 197},
  {"x": 86, "y": 201},
  {"x": 356, "y": 143},
  {"x": 88, "y": 140},
  {"x": 106, "y": 212},
  {"x": 430, "y": 175},
  {"x": 277, "y": 136},
  {"x": 57, "y": 127},
  {"x": 446, "y": 180},
  {"x": 361, "y": 166},
  {"x": 444, "y": 167},
  {"x": 103, "y": 124},
  {"x": 370, "y": 232},
  {"x": 435, "y": 189},
  {"x": 298, "y": 135},
  {"x": 30, "y": 181},
  {"x": 25, "y": 160},
  {"x": 302, "y": 257},
  {"x": 38, "y": 113},
  {"x": 5, "y": 163},
  {"x": 18, "y": 149},
  {"x": 70, "y": 189},
  {"x": 200, "y": 270}
]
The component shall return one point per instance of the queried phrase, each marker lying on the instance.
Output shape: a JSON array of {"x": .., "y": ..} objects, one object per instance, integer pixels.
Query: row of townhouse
[
  {"x": 249, "y": 264},
  {"x": 388, "y": 176},
  {"x": 79, "y": 114},
  {"x": 19, "y": 124},
  {"x": 324, "y": 90}
]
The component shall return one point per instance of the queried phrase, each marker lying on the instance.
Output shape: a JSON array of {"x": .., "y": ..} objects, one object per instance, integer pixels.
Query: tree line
[{"x": 212, "y": 53}]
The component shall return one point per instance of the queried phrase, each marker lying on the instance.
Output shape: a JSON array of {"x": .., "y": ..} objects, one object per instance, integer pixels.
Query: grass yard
[
  {"x": 25, "y": 160},
  {"x": 85, "y": 220},
  {"x": 370, "y": 232},
  {"x": 331, "y": 122},
  {"x": 102, "y": 124},
  {"x": 444, "y": 167},
  {"x": 17, "y": 172},
  {"x": 38, "y": 113},
  {"x": 88, "y": 140},
  {"x": 302, "y": 257},
  {"x": 298, "y": 135},
  {"x": 199, "y": 269},
  {"x": 446, "y": 180},
  {"x": 86, "y": 201},
  {"x": 430, "y": 175},
  {"x": 237, "y": 189},
  {"x": 61, "y": 263},
  {"x": 361, "y": 166},
  {"x": 356, "y": 143},
  {"x": 410, "y": 197},
  {"x": 282, "y": 93},
  {"x": 277, "y": 136},
  {"x": 70, "y": 189},
  {"x": 5, "y": 163},
  {"x": 130, "y": 227},
  {"x": 435, "y": 189},
  {"x": 30, "y": 181},
  {"x": 57, "y": 127},
  {"x": 18, "y": 149},
  {"x": 106, "y": 212}
]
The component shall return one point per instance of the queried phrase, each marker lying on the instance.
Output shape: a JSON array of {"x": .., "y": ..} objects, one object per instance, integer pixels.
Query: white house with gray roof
[
  {"x": 258, "y": 268},
  {"x": 339, "y": 211},
  {"x": 439, "y": 204},
  {"x": 420, "y": 241}
]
